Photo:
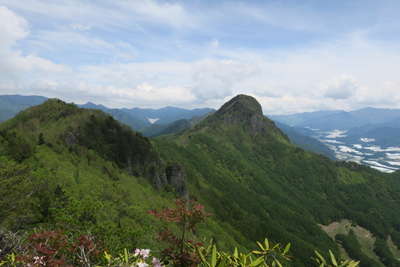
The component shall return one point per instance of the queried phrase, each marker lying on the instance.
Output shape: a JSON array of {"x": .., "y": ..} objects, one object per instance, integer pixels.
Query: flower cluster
[
  {"x": 142, "y": 255},
  {"x": 138, "y": 258}
]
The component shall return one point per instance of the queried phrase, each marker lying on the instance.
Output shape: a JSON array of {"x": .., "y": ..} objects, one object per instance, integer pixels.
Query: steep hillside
[
  {"x": 62, "y": 167},
  {"x": 240, "y": 164}
]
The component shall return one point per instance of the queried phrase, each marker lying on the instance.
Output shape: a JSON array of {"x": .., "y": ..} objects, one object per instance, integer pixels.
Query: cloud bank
[{"x": 151, "y": 54}]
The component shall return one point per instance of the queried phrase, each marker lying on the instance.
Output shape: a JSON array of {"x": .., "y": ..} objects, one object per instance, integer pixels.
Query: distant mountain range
[
  {"x": 140, "y": 118},
  {"x": 342, "y": 120},
  {"x": 369, "y": 136}
]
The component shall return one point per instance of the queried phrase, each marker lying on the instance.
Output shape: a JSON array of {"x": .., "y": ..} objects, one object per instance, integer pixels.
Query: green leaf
[
  {"x": 200, "y": 253},
  {"x": 257, "y": 262},
  {"x": 260, "y": 245},
  {"x": 107, "y": 256},
  {"x": 266, "y": 244},
  {"x": 214, "y": 256},
  {"x": 278, "y": 263},
  {"x": 235, "y": 253},
  {"x": 126, "y": 258},
  {"x": 322, "y": 259},
  {"x": 333, "y": 259},
  {"x": 287, "y": 248}
]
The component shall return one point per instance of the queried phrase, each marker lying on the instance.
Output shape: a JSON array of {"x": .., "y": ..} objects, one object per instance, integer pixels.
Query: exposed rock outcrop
[{"x": 176, "y": 177}]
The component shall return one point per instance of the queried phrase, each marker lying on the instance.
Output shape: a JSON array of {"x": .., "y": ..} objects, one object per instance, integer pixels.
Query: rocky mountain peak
[
  {"x": 242, "y": 109},
  {"x": 241, "y": 104},
  {"x": 245, "y": 111}
]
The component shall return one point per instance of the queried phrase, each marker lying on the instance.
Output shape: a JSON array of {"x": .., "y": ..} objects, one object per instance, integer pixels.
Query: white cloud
[
  {"x": 345, "y": 72},
  {"x": 341, "y": 88},
  {"x": 12, "y": 28},
  {"x": 217, "y": 79},
  {"x": 17, "y": 69}
]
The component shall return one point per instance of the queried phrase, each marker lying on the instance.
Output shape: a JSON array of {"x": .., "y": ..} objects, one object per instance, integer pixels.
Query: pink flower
[
  {"x": 137, "y": 252},
  {"x": 156, "y": 262},
  {"x": 39, "y": 260},
  {"x": 144, "y": 253}
]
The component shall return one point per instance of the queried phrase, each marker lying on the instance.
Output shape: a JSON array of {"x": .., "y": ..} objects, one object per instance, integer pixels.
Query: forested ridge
[{"x": 81, "y": 171}]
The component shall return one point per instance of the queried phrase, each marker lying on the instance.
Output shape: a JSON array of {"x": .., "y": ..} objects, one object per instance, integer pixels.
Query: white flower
[{"x": 142, "y": 264}]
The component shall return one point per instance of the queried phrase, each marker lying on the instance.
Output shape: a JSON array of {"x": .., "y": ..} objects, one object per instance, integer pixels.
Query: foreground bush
[
  {"x": 265, "y": 256},
  {"x": 57, "y": 249}
]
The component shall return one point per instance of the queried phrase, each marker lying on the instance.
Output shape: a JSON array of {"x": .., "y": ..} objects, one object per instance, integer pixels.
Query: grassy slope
[{"x": 364, "y": 237}]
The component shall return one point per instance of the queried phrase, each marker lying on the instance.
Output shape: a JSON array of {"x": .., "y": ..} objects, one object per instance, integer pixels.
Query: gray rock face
[
  {"x": 172, "y": 176},
  {"x": 158, "y": 176},
  {"x": 176, "y": 178}
]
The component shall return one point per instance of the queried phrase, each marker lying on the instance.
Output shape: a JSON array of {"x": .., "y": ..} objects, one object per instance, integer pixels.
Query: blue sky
[{"x": 293, "y": 56}]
